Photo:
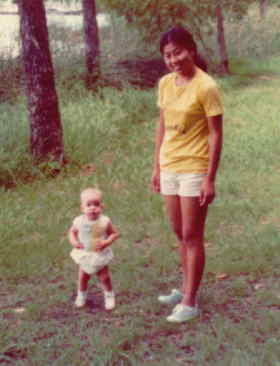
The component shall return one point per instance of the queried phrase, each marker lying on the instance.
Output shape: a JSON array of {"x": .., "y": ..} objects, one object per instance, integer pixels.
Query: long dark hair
[{"x": 183, "y": 38}]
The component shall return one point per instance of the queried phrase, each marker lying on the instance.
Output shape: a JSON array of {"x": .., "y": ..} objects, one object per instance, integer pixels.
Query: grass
[{"x": 109, "y": 141}]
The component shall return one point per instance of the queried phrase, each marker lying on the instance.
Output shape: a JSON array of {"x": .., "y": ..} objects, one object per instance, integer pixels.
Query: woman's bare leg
[
  {"x": 192, "y": 247},
  {"x": 173, "y": 209}
]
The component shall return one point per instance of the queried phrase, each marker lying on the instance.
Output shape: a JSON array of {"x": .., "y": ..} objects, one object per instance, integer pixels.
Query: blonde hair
[{"x": 89, "y": 192}]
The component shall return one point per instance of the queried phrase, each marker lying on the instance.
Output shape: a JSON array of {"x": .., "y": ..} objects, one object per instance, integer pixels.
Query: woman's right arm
[{"x": 158, "y": 141}]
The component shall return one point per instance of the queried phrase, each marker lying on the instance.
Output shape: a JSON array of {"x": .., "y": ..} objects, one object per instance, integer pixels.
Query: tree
[
  {"x": 91, "y": 41},
  {"x": 263, "y": 8},
  {"x": 91, "y": 38},
  {"x": 46, "y": 137},
  {"x": 152, "y": 16},
  {"x": 224, "y": 62},
  {"x": 200, "y": 17},
  {"x": 206, "y": 17}
]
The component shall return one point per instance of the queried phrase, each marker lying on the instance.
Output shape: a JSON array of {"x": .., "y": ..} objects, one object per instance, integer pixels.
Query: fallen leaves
[
  {"x": 19, "y": 310},
  {"x": 259, "y": 286},
  {"x": 222, "y": 276},
  {"x": 108, "y": 158},
  {"x": 270, "y": 220},
  {"x": 208, "y": 244},
  {"x": 117, "y": 186},
  {"x": 88, "y": 169}
]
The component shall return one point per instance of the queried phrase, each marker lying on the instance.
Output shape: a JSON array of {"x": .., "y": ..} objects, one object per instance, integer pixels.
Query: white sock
[
  {"x": 109, "y": 293},
  {"x": 82, "y": 294}
]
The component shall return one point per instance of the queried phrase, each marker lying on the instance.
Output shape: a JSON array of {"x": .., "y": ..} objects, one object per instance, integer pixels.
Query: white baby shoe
[
  {"x": 81, "y": 299},
  {"x": 109, "y": 300}
]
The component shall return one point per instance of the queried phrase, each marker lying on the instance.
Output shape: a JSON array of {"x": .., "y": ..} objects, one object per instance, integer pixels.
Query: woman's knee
[
  {"x": 177, "y": 229},
  {"x": 178, "y": 233},
  {"x": 191, "y": 238}
]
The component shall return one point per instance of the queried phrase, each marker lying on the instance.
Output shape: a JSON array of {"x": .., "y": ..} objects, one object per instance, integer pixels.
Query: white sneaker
[
  {"x": 109, "y": 300},
  {"x": 182, "y": 313},
  {"x": 173, "y": 298},
  {"x": 178, "y": 307},
  {"x": 80, "y": 301}
]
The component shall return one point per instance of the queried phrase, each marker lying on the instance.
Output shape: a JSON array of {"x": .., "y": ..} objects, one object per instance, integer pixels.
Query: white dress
[{"x": 91, "y": 261}]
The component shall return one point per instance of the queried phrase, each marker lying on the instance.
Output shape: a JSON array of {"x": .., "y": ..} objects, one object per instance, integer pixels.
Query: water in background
[{"x": 57, "y": 14}]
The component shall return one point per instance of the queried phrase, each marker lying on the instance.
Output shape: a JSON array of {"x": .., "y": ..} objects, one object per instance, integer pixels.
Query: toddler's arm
[
  {"x": 74, "y": 238},
  {"x": 112, "y": 235}
]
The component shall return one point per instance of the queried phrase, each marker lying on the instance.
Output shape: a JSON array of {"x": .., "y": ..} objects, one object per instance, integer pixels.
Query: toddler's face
[{"x": 92, "y": 206}]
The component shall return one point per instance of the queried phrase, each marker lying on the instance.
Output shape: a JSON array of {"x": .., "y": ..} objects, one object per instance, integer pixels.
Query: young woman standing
[{"x": 187, "y": 152}]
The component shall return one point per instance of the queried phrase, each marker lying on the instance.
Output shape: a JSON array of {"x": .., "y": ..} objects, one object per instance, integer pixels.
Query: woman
[{"x": 187, "y": 152}]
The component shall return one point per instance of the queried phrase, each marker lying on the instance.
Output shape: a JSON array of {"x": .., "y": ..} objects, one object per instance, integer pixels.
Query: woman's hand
[
  {"x": 156, "y": 181},
  {"x": 207, "y": 192}
]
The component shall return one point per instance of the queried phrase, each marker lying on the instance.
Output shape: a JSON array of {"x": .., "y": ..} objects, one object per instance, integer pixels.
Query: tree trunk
[
  {"x": 263, "y": 8},
  {"x": 224, "y": 64},
  {"x": 91, "y": 41},
  {"x": 46, "y": 130}
]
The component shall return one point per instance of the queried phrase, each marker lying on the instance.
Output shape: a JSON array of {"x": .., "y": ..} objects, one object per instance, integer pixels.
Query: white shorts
[{"x": 181, "y": 184}]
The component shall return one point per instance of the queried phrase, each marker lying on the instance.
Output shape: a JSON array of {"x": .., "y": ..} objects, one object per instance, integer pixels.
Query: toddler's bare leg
[
  {"x": 106, "y": 283},
  {"x": 83, "y": 280},
  {"x": 105, "y": 279},
  {"x": 82, "y": 289}
]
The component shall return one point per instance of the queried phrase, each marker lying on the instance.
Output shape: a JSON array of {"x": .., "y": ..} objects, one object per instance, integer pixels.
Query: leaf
[
  {"x": 258, "y": 286},
  {"x": 222, "y": 276},
  {"x": 88, "y": 169},
  {"x": 117, "y": 186},
  {"x": 19, "y": 310}
]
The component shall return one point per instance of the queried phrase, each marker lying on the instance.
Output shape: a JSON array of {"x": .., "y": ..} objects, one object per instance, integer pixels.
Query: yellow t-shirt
[{"x": 185, "y": 108}]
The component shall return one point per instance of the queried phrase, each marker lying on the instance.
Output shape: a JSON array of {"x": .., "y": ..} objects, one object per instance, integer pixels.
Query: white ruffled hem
[{"x": 92, "y": 262}]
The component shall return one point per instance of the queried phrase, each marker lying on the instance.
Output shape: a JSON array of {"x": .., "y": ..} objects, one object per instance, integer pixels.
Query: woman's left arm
[{"x": 215, "y": 126}]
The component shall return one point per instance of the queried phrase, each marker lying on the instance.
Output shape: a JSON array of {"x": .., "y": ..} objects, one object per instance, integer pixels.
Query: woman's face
[{"x": 178, "y": 59}]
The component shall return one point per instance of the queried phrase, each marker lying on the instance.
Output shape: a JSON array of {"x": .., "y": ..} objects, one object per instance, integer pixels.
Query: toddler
[{"x": 91, "y": 235}]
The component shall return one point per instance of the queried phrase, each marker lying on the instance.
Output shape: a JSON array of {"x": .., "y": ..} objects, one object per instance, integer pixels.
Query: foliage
[
  {"x": 251, "y": 37},
  {"x": 155, "y": 16},
  {"x": 246, "y": 38}
]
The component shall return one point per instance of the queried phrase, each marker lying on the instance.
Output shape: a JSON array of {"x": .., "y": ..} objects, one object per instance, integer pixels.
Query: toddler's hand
[
  {"x": 100, "y": 245},
  {"x": 79, "y": 246}
]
